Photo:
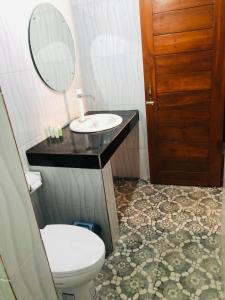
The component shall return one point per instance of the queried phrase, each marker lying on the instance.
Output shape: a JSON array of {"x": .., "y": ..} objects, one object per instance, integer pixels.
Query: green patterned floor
[{"x": 169, "y": 245}]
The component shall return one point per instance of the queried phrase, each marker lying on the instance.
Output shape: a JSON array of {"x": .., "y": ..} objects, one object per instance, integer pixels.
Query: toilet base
[{"x": 86, "y": 291}]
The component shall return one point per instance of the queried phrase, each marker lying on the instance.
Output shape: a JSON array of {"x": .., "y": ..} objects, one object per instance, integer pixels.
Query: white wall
[
  {"x": 108, "y": 37},
  {"x": 21, "y": 247},
  {"x": 108, "y": 59},
  {"x": 32, "y": 106},
  {"x": 6, "y": 291}
]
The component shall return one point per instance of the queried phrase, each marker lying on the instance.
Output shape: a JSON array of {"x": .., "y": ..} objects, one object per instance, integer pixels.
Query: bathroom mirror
[{"x": 52, "y": 47}]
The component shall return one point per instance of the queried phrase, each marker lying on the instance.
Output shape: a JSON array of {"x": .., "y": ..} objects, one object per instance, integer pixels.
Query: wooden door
[{"x": 183, "y": 54}]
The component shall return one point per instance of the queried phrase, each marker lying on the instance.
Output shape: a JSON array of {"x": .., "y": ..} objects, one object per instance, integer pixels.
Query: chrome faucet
[{"x": 80, "y": 97}]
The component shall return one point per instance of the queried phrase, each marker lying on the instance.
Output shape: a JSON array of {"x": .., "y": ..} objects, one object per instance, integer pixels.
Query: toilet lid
[{"x": 71, "y": 248}]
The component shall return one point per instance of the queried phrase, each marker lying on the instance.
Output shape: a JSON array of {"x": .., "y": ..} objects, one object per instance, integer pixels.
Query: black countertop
[{"x": 83, "y": 150}]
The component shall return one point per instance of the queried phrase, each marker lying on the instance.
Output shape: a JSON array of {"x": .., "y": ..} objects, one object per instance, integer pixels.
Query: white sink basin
[{"x": 96, "y": 122}]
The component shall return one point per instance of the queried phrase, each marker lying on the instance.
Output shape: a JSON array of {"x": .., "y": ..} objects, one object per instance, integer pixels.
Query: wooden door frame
[
  {"x": 150, "y": 78},
  {"x": 218, "y": 92}
]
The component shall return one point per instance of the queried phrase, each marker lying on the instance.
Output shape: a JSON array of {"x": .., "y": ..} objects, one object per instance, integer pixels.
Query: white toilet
[{"x": 75, "y": 254}]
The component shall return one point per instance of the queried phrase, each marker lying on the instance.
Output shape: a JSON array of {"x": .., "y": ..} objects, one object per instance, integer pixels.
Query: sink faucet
[{"x": 80, "y": 97}]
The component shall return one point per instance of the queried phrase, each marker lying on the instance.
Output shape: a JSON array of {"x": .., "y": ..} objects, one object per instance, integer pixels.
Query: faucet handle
[{"x": 79, "y": 94}]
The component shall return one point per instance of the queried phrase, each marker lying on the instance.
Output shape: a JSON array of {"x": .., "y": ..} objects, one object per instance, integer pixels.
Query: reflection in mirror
[{"x": 52, "y": 47}]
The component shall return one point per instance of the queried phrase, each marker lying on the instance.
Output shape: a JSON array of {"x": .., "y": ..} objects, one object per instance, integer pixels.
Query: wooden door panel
[
  {"x": 196, "y": 116},
  {"x": 190, "y": 165},
  {"x": 184, "y": 42},
  {"x": 183, "y": 151},
  {"x": 170, "y": 83},
  {"x": 183, "y": 20},
  {"x": 184, "y": 62},
  {"x": 184, "y": 133},
  {"x": 184, "y": 178},
  {"x": 168, "y": 5},
  {"x": 184, "y": 100}
]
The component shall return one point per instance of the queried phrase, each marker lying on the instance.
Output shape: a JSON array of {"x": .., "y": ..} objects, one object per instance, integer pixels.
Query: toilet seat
[{"x": 72, "y": 250}]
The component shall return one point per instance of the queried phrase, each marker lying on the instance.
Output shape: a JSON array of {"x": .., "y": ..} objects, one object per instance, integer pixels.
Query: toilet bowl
[{"x": 75, "y": 255}]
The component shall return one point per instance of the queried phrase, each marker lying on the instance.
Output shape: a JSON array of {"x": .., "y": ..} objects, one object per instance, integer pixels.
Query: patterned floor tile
[{"x": 169, "y": 246}]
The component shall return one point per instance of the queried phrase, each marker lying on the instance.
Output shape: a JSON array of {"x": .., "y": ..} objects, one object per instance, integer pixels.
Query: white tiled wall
[
  {"x": 5, "y": 288},
  {"x": 21, "y": 247},
  {"x": 32, "y": 106},
  {"x": 108, "y": 65},
  {"x": 108, "y": 38}
]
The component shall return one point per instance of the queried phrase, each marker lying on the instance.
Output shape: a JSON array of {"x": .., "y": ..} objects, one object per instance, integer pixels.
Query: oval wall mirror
[{"x": 52, "y": 47}]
